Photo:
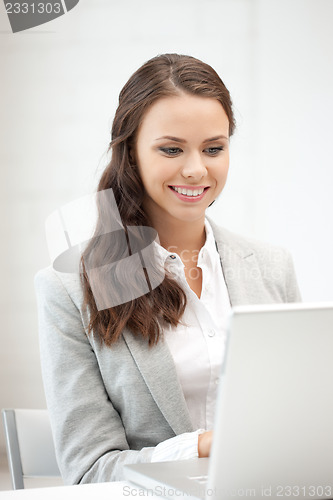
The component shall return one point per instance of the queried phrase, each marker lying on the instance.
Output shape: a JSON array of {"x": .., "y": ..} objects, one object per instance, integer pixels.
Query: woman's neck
[{"x": 182, "y": 236}]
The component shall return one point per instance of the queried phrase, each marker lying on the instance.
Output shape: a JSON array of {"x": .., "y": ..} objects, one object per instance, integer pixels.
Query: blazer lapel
[
  {"x": 240, "y": 269},
  {"x": 158, "y": 370}
]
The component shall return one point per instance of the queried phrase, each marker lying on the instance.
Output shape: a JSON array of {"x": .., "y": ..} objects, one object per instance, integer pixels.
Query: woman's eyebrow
[
  {"x": 216, "y": 138},
  {"x": 178, "y": 139}
]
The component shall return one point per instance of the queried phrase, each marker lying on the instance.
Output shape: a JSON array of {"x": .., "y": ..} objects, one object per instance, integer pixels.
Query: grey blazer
[{"x": 111, "y": 406}]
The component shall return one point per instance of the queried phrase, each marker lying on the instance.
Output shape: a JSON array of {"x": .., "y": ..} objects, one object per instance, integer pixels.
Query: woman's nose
[{"x": 194, "y": 166}]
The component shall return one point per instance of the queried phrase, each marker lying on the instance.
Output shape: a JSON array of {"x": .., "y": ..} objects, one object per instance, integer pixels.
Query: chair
[{"x": 30, "y": 448}]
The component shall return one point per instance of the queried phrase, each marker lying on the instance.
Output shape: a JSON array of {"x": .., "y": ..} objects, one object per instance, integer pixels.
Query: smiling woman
[{"x": 137, "y": 382}]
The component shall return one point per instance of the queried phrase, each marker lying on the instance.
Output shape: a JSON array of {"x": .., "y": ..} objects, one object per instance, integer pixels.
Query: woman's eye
[
  {"x": 214, "y": 151},
  {"x": 171, "y": 151}
]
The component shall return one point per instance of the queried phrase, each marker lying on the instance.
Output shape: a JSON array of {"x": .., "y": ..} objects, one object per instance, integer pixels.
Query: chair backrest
[{"x": 30, "y": 447}]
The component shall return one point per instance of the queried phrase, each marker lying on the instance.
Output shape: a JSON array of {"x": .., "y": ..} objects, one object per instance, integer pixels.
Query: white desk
[{"x": 99, "y": 491}]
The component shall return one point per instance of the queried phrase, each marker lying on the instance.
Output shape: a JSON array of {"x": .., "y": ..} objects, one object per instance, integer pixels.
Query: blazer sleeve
[
  {"x": 292, "y": 290},
  {"x": 89, "y": 436}
]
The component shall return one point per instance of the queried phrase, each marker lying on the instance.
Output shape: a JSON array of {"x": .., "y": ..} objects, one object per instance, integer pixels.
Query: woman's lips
[{"x": 190, "y": 198}]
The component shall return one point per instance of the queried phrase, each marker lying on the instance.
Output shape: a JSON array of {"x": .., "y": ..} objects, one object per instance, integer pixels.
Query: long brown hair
[{"x": 162, "y": 76}]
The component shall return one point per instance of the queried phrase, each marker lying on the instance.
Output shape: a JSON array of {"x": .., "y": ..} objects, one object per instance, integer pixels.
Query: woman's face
[{"x": 182, "y": 152}]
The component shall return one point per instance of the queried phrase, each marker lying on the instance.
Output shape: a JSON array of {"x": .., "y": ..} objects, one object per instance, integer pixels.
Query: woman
[{"x": 136, "y": 382}]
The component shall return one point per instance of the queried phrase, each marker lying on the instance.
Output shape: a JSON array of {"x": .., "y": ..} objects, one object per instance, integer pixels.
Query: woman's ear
[{"x": 131, "y": 154}]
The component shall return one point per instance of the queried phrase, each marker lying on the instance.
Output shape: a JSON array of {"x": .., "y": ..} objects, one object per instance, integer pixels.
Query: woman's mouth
[{"x": 194, "y": 193}]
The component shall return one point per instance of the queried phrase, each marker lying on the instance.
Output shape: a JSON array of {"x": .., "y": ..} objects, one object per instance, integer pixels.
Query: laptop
[{"x": 273, "y": 431}]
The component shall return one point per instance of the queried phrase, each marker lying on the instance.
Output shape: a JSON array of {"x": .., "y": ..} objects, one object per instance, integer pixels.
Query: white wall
[
  {"x": 295, "y": 174},
  {"x": 59, "y": 88}
]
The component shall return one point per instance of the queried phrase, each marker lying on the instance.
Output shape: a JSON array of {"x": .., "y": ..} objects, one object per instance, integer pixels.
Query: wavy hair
[{"x": 162, "y": 76}]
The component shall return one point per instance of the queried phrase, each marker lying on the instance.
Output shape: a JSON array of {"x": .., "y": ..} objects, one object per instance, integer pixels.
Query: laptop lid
[{"x": 273, "y": 433}]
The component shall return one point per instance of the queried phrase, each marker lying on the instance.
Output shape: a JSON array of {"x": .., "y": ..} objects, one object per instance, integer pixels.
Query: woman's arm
[{"x": 90, "y": 438}]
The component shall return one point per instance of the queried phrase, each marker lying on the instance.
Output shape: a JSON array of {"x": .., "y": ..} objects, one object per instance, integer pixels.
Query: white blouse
[{"x": 197, "y": 345}]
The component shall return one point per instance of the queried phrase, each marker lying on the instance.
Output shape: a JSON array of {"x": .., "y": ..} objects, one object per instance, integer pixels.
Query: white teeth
[{"x": 188, "y": 192}]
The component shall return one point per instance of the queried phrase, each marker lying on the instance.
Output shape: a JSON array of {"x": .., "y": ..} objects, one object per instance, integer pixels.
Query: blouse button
[{"x": 211, "y": 333}]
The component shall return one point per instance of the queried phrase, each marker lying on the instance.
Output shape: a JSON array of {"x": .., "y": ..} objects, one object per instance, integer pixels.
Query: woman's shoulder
[
  {"x": 274, "y": 264},
  {"x": 243, "y": 245},
  {"x": 51, "y": 283}
]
